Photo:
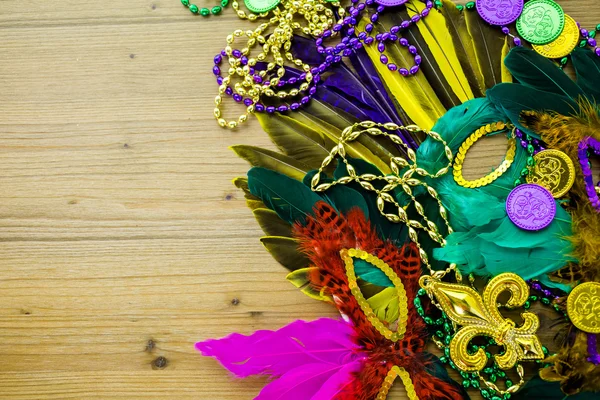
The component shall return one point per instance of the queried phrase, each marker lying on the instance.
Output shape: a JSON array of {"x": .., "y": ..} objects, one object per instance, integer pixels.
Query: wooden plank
[{"x": 119, "y": 225}]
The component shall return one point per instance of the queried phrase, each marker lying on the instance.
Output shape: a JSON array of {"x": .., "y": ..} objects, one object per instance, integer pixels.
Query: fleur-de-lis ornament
[{"x": 479, "y": 316}]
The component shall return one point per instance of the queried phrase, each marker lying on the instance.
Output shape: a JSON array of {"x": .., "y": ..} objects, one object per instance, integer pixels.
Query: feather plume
[
  {"x": 290, "y": 199},
  {"x": 272, "y": 160},
  {"x": 285, "y": 251},
  {"x": 434, "y": 34},
  {"x": 309, "y": 135},
  {"x": 513, "y": 98},
  {"x": 505, "y": 72},
  {"x": 587, "y": 67},
  {"x": 464, "y": 46},
  {"x": 310, "y": 360},
  {"x": 488, "y": 42},
  {"x": 485, "y": 243},
  {"x": 271, "y": 224},
  {"x": 322, "y": 238},
  {"x": 538, "y": 72},
  {"x": 564, "y": 133},
  {"x": 538, "y": 389},
  {"x": 415, "y": 95},
  {"x": 572, "y": 370},
  {"x": 301, "y": 279},
  {"x": 367, "y": 73}
]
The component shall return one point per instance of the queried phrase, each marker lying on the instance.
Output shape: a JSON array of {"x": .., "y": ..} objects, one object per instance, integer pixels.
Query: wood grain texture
[{"x": 122, "y": 239}]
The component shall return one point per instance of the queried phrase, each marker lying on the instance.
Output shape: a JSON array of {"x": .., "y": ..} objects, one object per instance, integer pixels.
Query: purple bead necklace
[
  {"x": 587, "y": 145},
  {"x": 303, "y": 97},
  {"x": 589, "y": 38}
]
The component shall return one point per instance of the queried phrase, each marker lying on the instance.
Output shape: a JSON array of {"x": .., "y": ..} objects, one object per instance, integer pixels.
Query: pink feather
[
  {"x": 317, "y": 381},
  {"x": 313, "y": 360}
]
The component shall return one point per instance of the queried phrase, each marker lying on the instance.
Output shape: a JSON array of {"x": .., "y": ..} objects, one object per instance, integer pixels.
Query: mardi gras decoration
[{"x": 367, "y": 204}]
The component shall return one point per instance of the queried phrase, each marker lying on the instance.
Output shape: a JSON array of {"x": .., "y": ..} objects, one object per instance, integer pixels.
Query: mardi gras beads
[
  {"x": 404, "y": 176},
  {"x": 586, "y": 146},
  {"x": 205, "y": 12},
  {"x": 265, "y": 82}
]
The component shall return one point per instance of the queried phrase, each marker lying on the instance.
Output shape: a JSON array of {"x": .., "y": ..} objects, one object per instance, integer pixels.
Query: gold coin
[
  {"x": 583, "y": 307},
  {"x": 564, "y": 44},
  {"x": 553, "y": 170}
]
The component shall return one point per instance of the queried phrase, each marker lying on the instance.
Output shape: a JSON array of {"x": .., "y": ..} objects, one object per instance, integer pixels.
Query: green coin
[
  {"x": 541, "y": 21},
  {"x": 261, "y": 6}
]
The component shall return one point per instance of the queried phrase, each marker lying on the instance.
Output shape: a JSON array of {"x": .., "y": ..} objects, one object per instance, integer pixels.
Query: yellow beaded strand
[
  {"x": 462, "y": 153},
  {"x": 391, "y": 376}
]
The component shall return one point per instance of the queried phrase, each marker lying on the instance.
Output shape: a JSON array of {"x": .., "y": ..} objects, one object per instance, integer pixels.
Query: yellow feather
[
  {"x": 299, "y": 278},
  {"x": 385, "y": 305},
  {"x": 438, "y": 39},
  {"x": 308, "y": 139},
  {"x": 506, "y": 75},
  {"x": 414, "y": 94}
]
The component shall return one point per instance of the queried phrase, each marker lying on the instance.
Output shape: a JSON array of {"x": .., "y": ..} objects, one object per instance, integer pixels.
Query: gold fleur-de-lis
[{"x": 480, "y": 317}]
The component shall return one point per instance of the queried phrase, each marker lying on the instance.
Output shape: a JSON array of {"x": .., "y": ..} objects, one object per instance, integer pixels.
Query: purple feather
[
  {"x": 324, "y": 342},
  {"x": 306, "y": 50}
]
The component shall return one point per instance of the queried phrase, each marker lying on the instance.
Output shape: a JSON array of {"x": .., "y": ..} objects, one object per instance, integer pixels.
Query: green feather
[
  {"x": 485, "y": 242},
  {"x": 587, "y": 67},
  {"x": 285, "y": 251},
  {"x": 341, "y": 197},
  {"x": 538, "y": 72},
  {"x": 290, "y": 199},
  {"x": 370, "y": 273},
  {"x": 514, "y": 98},
  {"x": 271, "y": 224},
  {"x": 385, "y": 229},
  {"x": 272, "y": 160}
]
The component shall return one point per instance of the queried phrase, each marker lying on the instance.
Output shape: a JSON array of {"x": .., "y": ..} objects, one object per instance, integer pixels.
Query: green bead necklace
[
  {"x": 204, "y": 11},
  {"x": 443, "y": 330}
]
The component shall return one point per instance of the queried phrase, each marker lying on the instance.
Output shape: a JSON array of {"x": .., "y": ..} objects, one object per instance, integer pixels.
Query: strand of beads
[
  {"x": 405, "y": 175},
  {"x": 350, "y": 23},
  {"x": 266, "y": 82},
  {"x": 442, "y": 333},
  {"x": 546, "y": 297},
  {"x": 532, "y": 146},
  {"x": 589, "y": 38},
  {"x": 205, "y": 12}
]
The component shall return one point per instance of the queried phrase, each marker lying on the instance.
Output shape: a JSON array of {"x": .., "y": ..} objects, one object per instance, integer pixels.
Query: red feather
[{"x": 321, "y": 238}]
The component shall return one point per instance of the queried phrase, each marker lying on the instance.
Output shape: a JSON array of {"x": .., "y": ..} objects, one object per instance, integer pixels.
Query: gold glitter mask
[{"x": 479, "y": 316}]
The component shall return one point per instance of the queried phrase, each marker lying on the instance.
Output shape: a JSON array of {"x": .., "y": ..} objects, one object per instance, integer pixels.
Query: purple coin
[
  {"x": 500, "y": 12},
  {"x": 531, "y": 207},
  {"x": 391, "y": 3}
]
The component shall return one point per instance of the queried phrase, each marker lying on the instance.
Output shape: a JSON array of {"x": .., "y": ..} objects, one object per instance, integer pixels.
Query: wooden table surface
[{"x": 122, "y": 239}]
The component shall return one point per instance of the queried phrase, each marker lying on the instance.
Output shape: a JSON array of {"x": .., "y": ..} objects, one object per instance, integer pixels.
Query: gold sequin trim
[
  {"x": 348, "y": 256},
  {"x": 394, "y": 372},
  {"x": 462, "y": 153}
]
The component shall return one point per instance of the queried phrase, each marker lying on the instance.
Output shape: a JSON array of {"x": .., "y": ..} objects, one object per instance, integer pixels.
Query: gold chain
[
  {"x": 275, "y": 51},
  {"x": 475, "y": 136},
  {"x": 403, "y": 172}
]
